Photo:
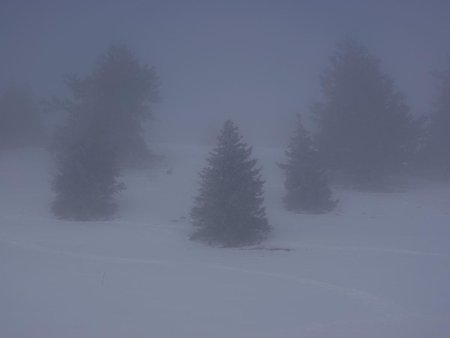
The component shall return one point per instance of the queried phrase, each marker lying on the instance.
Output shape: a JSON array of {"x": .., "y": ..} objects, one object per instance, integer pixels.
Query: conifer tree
[
  {"x": 306, "y": 185},
  {"x": 103, "y": 133},
  {"x": 229, "y": 208},
  {"x": 365, "y": 130},
  {"x": 120, "y": 91}
]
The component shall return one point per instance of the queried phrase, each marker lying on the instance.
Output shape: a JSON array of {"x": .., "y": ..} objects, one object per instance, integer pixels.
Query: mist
[
  {"x": 202, "y": 169},
  {"x": 216, "y": 60}
]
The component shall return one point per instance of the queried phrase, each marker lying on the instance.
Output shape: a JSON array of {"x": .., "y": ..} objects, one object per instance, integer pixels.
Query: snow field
[{"x": 377, "y": 266}]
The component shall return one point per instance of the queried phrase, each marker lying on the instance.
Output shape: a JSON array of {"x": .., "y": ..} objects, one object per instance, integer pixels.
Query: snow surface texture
[{"x": 378, "y": 266}]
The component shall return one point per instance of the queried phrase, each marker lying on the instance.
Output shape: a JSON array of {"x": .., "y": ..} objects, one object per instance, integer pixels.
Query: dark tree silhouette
[
  {"x": 229, "y": 208},
  {"x": 306, "y": 185},
  {"x": 102, "y": 134},
  {"x": 365, "y": 130},
  {"x": 120, "y": 91}
]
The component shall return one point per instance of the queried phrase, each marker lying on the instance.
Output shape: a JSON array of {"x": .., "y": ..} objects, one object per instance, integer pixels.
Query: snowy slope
[{"x": 378, "y": 266}]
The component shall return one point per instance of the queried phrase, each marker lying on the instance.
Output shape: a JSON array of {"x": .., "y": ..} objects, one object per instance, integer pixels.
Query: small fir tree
[
  {"x": 229, "y": 208},
  {"x": 307, "y": 189}
]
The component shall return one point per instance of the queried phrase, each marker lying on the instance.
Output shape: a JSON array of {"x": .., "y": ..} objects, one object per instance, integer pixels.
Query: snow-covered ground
[{"x": 378, "y": 266}]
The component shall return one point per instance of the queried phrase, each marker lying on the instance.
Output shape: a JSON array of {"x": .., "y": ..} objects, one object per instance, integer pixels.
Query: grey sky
[{"x": 218, "y": 59}]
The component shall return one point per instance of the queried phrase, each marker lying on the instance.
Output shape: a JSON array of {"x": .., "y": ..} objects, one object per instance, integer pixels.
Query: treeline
[{"x": 365, "y": 137}]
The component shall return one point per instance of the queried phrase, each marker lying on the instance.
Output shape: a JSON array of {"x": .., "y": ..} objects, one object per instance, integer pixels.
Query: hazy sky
[{"x": 256, "y": 61}]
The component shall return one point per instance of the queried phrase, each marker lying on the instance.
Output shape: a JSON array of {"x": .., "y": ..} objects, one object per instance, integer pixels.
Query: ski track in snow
[{"x": 384, "y": 306}]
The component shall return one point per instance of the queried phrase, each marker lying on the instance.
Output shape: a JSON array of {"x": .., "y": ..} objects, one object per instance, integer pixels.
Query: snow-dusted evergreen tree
[
  {"x": 365, "y": 130},
  {"x": 306, "y": 185},
  {"x": 229, "y": 208}
]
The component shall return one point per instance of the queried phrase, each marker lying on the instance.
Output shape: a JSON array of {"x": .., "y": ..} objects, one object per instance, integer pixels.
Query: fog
[
  {"x": 199, "y": 169},
  {"x": 218, "y": 59}
]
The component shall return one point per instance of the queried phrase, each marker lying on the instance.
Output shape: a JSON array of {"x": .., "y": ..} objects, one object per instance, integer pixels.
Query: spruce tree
[
  {"x": 229, "y": 208},
  {"x": 103, "y": 134},
  {"x": 365, "y": 131},
  {"x": 120, "y": 91},
  {"x": 306, "y": 185}
]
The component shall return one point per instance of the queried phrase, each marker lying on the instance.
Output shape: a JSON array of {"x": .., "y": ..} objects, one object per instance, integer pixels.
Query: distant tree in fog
[
  {"x": 306, "y": 184},
  {"x": 229, "y": 208},
  {"x": 20, "y": 118},
  {"x": 103, "y": 133},
  {"x": 438, "y": 131},
  {"x": 365, "y": 130},
  {"x": 87, "y": 169},
  {"x": 119, "y": 92}
]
